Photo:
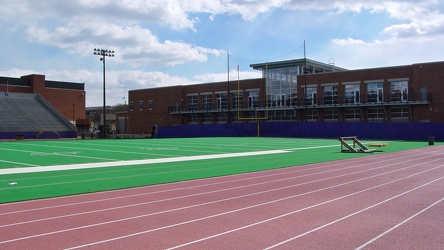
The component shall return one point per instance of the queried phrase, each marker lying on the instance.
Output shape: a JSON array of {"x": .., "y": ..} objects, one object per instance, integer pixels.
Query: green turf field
[{"x": 139, "y": 162}]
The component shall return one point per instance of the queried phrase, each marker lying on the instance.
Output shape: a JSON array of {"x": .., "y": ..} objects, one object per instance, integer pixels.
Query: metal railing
[{"x": 319, "y": 102}]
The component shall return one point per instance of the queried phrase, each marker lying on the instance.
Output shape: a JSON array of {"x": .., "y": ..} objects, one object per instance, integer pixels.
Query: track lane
[{"x": 168, "y": 221}]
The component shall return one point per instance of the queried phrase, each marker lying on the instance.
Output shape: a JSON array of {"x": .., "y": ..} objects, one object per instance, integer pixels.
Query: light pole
[{"x": 104, "y": 53}]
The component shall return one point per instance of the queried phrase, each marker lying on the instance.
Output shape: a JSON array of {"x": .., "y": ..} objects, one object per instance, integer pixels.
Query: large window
[
  {"x": 253, "y": 99},
  {"x": 221, "y": 101},
  {"x": 131, "y": 106},
  {"x": 352, "y": 94},
  {"x": 150, "y": 104},
  {"x": 140, "y": 105},
  {"x": 375, "y": 114},
  {"x": 311, "y": 114},
  {"x": 282, "y": 86},
  {"x": 330, "y": 95},
  {"x": 206, "y": 118},
  {"x": 352, "y": 114},
  {"x": 399, "y": 91},
  {"x": 192, "y": 102},
  {"x": 375, "y": 92},
  {"x": 221, "y": 117},
  {"x": 206, "y": 102},
  {"x": 331, "y": 114},
  {"x": 312, "y": 96},
  {"x": 194, "y": 118},
  {"x": 236, "y": 100},
  {"x": 400, "y": 113}
]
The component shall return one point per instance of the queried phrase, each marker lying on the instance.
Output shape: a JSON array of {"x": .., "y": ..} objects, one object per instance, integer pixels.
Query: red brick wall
[
  {"x": 142, "y": 121},
  {"x": 70, "y": 103}
]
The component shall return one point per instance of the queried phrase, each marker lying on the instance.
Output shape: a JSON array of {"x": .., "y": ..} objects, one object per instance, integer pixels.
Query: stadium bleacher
[{"x": 32, "y": 116}]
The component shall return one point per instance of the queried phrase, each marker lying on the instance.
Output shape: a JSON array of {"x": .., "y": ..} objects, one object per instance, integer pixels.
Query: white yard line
[{"x": 134, "y": 162}]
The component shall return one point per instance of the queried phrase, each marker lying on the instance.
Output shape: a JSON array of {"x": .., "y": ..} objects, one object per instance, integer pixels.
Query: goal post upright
[{"x": 257, "y": 119}]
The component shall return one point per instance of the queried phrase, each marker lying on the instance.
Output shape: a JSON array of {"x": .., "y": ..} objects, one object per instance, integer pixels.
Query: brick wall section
[
  {"x": 422, "y": 77},
  {"x": 142, "y": 121},
  {"x": 70, "y": 103},
  {"x": 429, "y": 76}
]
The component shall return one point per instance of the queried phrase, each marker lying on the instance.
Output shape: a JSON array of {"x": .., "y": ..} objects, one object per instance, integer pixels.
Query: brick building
[
  {"x": 295, "y": 90},
  {"x": 67, "y": 97}
]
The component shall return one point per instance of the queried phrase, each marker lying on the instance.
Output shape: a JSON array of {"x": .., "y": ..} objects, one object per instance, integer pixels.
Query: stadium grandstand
[{"x": 30, "y": 116}]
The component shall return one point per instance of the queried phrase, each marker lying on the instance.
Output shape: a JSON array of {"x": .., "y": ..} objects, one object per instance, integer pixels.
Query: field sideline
[{"x": 43, "y": 169}]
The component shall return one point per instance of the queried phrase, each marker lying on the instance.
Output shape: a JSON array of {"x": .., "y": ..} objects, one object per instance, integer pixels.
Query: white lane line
[
  {"x": 266, "y": 173},
  {"x": 238, "y": 210},
  {"x": 227, "y": 189},
  {"x": 135, "y": 162},
  {"x": 304, "y": 209},
  {"x": 212, "y": 216},
  {"x": 399, "y": 224},
  {"x": 353, "y": 214}
]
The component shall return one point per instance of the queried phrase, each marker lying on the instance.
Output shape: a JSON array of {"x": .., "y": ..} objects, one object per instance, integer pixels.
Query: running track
[{"x": 381, "y": 201}]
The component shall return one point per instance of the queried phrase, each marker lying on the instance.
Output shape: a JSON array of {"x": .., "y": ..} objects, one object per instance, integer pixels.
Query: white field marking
[
  {"x": 215, "y": 215},
  {"x": 134, "y": 162},
  {"x": 227, "y": 189},
  {"x": 138, "y": 146},
  {"x": 314, "y": 147},
  {"x": 266, "y": 173},
  {"x": 20, "y": 163},
  {"x": 53, "y": 153},
  {"x": 102, "y": 150},
  {"x": 399, "y": 224},
  {"x": 33, "y": 152},
  {"x": 355, "y": 213},
  {"x": 242, "y": 209}
]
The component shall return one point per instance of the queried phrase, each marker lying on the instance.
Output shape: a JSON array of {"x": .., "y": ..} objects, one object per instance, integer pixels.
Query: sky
[{"x": 180, "y": 42}]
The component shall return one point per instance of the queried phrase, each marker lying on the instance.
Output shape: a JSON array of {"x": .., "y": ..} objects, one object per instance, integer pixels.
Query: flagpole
[{"x": 228, "y": 87}]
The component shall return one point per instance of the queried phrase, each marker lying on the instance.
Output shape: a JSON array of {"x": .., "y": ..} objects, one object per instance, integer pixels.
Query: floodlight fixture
[{"x": 103, "y": 53}]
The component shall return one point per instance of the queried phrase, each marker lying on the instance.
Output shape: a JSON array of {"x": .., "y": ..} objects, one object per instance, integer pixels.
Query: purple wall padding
[
  {"x": 365, "y": 130},
  {"x": 34, "y": 135}
]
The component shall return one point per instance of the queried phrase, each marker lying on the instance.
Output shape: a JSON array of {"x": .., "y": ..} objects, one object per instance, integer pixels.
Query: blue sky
[{"x": 179, "y": 42}]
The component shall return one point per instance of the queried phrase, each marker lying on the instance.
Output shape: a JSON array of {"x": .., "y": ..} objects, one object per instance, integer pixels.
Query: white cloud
[{"x": 146, "y": 34}]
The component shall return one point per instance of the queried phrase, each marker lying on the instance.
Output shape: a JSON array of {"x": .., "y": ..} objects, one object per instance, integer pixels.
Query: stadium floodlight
[{"x": 103, "y": 53}]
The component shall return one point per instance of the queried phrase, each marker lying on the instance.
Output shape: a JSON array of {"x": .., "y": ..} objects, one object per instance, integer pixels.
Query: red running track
[{"x": 380, "y": 201}]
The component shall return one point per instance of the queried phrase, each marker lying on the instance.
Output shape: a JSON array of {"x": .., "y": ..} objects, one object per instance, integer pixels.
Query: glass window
[
  {"x": 253, "y": 99},
  {"x": 352, "y": 114},
  {"x": 222, "y": 117},
  {"x": 192, "y": 102},
  {"x": 140, "y": 105},
  {"x": 194, "y": 118},
  {"x": 331, "y": 114},
  {"x": 399, "y": 91},
  {"x": 131, "y": 106},
  {"x": 234, "y": 100},
  {"x": 312, "y": 115},
  {"x": 375, "y": 114},
  {"x": 150, "y": 104},
  {"x": 207, "y": 102},
  {"x": 311, "y": 98},
  {"x": 400, "y": 112},
  {"x": 352, "y": 94},
  {"x": 206, "y": 118},
  {"x": 330, "y": 95},
  {"x": 375, "y": 92},
  {"x": 282, "y": 86},
  {"x": 221, "y": 101}
]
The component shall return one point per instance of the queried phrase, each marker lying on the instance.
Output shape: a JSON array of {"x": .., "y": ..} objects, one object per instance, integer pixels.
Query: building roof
[{"x": 297, "y": 62}]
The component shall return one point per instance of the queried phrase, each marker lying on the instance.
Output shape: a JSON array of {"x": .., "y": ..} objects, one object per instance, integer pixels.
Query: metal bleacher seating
[{"x": 22, "y": 112}]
